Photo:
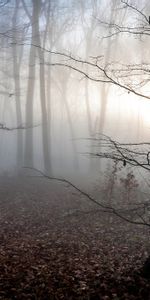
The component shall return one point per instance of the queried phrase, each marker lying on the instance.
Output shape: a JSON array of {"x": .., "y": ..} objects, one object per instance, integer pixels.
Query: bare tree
[
  {"x": 133, "y": 78},
  {"x": 30, "y": 88},
  {"x": 16, "y": 75}
]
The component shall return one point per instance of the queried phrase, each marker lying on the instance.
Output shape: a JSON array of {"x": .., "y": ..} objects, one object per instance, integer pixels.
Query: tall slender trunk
[
  {"x": 16, "y": 76},
  {"x": 45, "y": 133},
  {"x": 28, "y": 157},
  {"x": 48, "y": 82},
  {"x": 70, "y": 123}
]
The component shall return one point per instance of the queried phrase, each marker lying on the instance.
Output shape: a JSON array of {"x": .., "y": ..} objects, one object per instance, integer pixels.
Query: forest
[{"x": 74, "y": 150}]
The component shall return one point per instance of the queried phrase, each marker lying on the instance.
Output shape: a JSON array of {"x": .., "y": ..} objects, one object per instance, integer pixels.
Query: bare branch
[
  {"x": 135, "y": 9},
  {"x": 118, "y": 29},
  {"x": 105, "y": 209},
  {"x": 116, "y": 151},
  {"x": 104, "y": 75},
  {"x": 20, "y": 127}
]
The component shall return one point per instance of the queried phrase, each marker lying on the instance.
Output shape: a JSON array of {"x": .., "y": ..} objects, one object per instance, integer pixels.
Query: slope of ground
[{"x": 51, "y": 247}]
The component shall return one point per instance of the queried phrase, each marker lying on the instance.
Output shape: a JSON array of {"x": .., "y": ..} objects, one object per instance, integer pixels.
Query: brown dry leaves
[{"x": 48, "y": 253}]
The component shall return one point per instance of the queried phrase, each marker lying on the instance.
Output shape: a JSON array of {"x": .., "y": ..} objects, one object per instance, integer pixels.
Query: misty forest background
[
  {"x": 74, "y": 149},
  {"x": 56, "y": 105}
]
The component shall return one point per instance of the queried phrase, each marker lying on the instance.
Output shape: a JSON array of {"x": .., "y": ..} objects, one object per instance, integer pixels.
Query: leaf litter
[{"x": 50, "y": 251}]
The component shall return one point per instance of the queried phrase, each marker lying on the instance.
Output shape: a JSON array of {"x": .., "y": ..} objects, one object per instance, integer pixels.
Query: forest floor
[{"x": 55, "y": 245}]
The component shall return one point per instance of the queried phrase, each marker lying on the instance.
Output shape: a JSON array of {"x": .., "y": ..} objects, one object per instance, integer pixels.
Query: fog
[
  {"x": 74, "y": 149},
  {"x": 52, "y": 109}
]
